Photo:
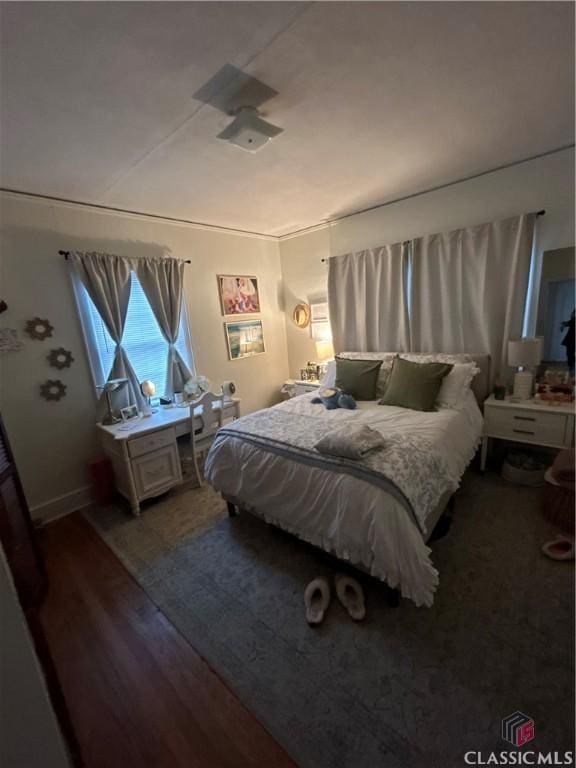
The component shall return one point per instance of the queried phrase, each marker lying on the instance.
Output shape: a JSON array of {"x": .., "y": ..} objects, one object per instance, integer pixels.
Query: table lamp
[
  {"x": 112, "y": 385},
  {"x": 148, "y": 389},
  {"x": 522, "y": 354}
]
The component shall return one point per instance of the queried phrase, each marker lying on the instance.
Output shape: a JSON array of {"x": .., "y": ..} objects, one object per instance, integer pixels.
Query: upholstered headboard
[{"x": 481, "y": 385}]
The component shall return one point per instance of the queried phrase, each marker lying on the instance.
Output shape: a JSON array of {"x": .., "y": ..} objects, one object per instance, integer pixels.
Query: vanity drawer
[
  {"x": 141, "y": 445},
  {"x": 156, "y": 471},
  {"x": 526, "y": 425}
]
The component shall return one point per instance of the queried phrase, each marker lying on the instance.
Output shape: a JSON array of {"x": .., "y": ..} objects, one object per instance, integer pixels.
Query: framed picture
[
  {"x": 244, "y": 339},
  {"x": 129, "y": 413},
  {"x": 238, "y": 294}
]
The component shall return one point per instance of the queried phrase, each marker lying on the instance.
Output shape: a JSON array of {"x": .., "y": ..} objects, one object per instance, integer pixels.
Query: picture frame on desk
[{"x": 129, "y": 413}]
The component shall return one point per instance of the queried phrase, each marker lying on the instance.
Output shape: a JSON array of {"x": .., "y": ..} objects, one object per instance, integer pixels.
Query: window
[{"x": 143, "y": 341}]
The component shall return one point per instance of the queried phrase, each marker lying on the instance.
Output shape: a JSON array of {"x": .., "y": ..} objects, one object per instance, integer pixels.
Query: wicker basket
[{"x": 558, "y": 505}]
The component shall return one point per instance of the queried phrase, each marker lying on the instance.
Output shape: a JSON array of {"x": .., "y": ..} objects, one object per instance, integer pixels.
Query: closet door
[{"x": 17, "y": 533}]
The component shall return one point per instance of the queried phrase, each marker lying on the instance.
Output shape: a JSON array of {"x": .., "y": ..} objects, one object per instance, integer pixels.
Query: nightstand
[
  {"x": 294, "y": 387},
  {"x": 527, "y": 421}
]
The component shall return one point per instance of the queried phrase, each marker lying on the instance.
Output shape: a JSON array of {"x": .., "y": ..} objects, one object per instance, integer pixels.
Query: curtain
[
  {"x": 107, "y": 281},
  {"x": 162, "y": 281},
  {"x": 469, "y": 288},
  {"x": 367, "y": 299}
]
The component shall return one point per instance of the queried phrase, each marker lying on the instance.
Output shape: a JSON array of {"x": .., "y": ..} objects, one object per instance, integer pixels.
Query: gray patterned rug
[{"x": 408, "y": 687}]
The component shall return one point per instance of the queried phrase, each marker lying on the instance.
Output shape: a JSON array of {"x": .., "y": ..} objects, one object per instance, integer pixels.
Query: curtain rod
[
  {"x": 538, "y": 213},
  {"x": 67, "y": 253}
]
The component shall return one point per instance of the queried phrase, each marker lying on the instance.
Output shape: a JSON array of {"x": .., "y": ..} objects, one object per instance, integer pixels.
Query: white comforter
[{"x": 343, "y": 514}]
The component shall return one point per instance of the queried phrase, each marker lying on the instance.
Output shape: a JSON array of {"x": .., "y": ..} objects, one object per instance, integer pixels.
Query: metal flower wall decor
[
  {"x": 53, "y": 389},
  {"x": 38, "y": 329},
  {"x": 60, "y": 358}
]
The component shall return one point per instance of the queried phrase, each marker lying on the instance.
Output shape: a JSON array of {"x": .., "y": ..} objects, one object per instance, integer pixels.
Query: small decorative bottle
[{"x": 499, "y": 389}]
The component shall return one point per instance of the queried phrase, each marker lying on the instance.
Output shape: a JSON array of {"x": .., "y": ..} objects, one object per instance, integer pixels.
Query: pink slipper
[{"x": 560, "y": 548}]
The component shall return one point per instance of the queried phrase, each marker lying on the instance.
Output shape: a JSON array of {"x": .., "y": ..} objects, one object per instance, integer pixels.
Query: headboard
[{"x": 481, "y": 383}]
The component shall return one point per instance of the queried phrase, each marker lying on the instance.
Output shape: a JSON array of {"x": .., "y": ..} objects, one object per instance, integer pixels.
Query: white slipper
[
  {"x": 316, "y": 600},
  {"x": 560, "y": 548},
  {"x": 351, "y": 596}
]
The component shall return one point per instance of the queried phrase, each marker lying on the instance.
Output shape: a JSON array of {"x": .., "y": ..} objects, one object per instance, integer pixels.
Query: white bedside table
[
  {"x": 294, "y": 387},
  {"x": 528, "y": 421}
]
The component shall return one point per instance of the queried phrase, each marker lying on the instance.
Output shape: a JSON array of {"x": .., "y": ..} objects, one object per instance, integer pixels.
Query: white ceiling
[{"x": 377, "y": 101}]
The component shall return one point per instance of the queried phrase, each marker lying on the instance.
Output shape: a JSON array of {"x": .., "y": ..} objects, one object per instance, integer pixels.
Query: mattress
[{"x": 343, "y": 514}]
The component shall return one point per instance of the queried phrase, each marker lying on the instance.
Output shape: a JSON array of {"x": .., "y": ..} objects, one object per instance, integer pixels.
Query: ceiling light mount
[{"x": 249, "y": 131}]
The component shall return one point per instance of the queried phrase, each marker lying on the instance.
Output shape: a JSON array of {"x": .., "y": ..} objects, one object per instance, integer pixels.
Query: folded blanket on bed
[
  {"x": 563, "y": 467},
  {"x": 350, "y": 443}
]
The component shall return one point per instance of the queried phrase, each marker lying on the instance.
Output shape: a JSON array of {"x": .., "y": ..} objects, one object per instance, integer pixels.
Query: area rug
[{"x": 409, "y": 687}]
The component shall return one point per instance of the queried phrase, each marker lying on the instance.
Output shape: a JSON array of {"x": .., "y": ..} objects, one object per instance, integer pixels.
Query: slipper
[
  {"x": 316, "y": 600},
  {"x": 560, "y": 548},
  {"x": 351, "y": 596}
]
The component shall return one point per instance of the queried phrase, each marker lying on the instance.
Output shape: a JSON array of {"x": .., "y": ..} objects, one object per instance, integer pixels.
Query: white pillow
[
  {"x": 455, "y": 385},
  {"x": 329, "y": 379}
]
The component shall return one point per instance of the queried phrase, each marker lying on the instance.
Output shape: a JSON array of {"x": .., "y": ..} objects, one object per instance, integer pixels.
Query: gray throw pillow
[
  {"x": 358, "y": 378},
  {"x": 415, "y": 385}
]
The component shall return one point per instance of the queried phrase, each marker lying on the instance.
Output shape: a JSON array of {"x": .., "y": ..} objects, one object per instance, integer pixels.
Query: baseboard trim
[{"x": 60, "y": 506}]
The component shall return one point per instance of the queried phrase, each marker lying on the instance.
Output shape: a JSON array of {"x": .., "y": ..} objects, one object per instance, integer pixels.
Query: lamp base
[{"x": 523, "y": 385}]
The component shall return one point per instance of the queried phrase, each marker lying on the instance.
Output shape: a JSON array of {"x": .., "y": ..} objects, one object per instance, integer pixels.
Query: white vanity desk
[{"x": 144, "y": 452}]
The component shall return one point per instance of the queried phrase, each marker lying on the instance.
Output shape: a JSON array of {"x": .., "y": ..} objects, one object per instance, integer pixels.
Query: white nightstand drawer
[
  {"x": 157, "y": 470},
  {"x": 141, "y": 445},
  {"x": 526, "y": 425}
]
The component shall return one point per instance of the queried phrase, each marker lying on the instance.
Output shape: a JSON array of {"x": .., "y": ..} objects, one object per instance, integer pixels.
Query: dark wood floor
[{"x": 139, "y": 695}]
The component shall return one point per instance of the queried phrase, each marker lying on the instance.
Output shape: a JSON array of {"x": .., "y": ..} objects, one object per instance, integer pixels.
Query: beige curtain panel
[
  {"x": 163, "y": 283},
  {"x": 458, "y": 291},
  {"x": 367, "y": 300},
  {"x": 469, "y": 288},
  {"x": 107, "y": 280}
]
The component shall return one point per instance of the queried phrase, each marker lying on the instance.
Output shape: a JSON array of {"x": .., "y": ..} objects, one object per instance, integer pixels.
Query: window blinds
[{"x": 143, "y": 341}]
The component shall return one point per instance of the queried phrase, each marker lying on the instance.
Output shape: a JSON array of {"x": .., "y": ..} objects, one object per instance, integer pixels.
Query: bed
[{"x": 377, "y": 515}]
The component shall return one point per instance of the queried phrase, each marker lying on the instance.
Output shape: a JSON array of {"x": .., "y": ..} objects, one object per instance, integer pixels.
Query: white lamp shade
[
  {"x": 148, "y": 388},
  {"x": 524, "y": 353}
]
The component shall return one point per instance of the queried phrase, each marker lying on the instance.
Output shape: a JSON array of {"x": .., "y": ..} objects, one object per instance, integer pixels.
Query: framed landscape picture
[
  {"x": 244, "y": 338},
  {"x": 238, "y": 294}
]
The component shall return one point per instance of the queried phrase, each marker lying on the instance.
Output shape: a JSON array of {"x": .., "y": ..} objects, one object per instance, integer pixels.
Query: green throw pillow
[
  {"x": 415, "y": 385},
  {"x": 358, "y": 378}
]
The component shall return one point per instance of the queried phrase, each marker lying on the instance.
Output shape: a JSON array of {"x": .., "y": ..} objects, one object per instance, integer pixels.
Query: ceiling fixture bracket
[{"x": 249, "y": 131}]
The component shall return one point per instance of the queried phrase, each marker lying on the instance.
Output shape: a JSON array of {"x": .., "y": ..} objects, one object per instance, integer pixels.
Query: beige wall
[
  {"x": 53, "y": 441},
  {"x": 547, "y": 182}
]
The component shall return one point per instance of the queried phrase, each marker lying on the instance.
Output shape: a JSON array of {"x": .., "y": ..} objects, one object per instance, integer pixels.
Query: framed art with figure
[{"x": 238, "y": 294}]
